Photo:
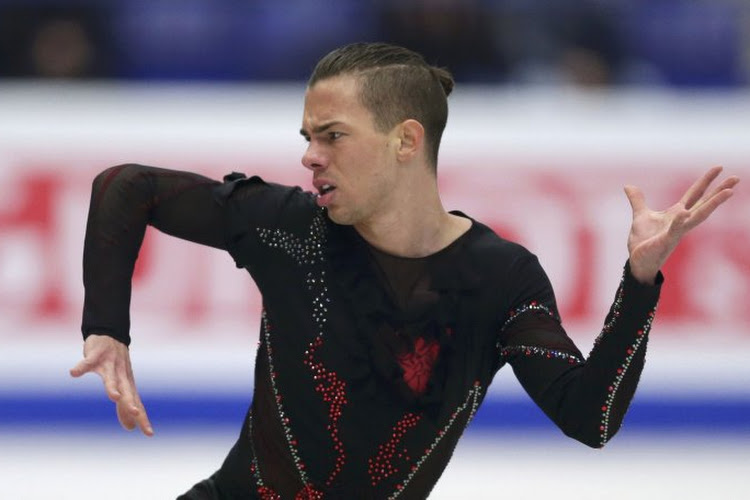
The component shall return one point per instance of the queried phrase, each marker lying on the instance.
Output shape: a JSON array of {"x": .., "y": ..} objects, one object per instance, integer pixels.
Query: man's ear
[{"x": 411, "y": 139}]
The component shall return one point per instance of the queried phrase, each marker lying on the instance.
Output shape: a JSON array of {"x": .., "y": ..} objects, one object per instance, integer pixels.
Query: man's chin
[{"x": 339, "y": 217}]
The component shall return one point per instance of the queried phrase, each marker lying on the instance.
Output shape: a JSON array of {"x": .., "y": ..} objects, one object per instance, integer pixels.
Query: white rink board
[{"x": 545, "y": 166}]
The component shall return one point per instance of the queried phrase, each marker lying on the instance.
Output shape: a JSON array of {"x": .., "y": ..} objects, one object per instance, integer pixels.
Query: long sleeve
[
  {"x": 586, "y": 398},
  {"x": 124, "y": 200}
]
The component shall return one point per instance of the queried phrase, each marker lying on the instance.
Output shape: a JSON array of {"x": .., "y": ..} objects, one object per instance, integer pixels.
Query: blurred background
[
  {"x": 677, "y": 43},
  {"x": 557, "y": 106}
]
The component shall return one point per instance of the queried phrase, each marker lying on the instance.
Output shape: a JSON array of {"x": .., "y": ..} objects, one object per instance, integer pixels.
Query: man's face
[{"x": 354, "y": 166}]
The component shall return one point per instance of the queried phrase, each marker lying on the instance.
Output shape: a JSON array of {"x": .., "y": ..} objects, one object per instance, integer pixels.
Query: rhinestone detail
[
  {"x": 264, "y": 492},
  {"x": 382, "y": 465},
  {"x": 614, "y": 314},
  {"x": 630, "y": 353},
  {"x": 309, "y": 252},
  {"x": 309, "y": 493},
  {"x": 471, "y": 404},
  {"x": 531, "y": 306},
  {"x": 508, "y": 352},
  {"x": 285, "y": 421},
  {"x": 304, "y": 252}
]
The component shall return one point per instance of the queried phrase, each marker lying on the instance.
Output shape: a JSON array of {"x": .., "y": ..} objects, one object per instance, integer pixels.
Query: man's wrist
[{"x": 643, "y": 275}]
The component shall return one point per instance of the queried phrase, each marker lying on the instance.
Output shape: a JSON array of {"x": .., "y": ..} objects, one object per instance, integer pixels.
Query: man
[{"x": 385, "y": 317}]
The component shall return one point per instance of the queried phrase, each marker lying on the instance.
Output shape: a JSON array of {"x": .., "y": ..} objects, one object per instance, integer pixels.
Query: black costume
[{"x": 370, "y": 366}]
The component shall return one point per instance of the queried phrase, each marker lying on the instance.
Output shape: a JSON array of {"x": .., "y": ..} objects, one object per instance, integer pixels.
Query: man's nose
[{"x": 313, "y": 158}]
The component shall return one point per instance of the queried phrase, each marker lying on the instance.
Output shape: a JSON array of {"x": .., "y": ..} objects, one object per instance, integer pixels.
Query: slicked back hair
[{"x": 395, "y": 84}]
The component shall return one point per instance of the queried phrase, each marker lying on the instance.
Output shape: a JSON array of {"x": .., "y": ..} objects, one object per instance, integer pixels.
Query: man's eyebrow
[{"x": 320, "y": 128}]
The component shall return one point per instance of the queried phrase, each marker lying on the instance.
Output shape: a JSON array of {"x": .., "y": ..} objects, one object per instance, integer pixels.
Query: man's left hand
[{"x": 655, "y": 234}]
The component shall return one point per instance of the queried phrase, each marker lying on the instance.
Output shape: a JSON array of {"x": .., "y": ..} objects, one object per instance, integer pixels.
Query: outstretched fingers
[
  {"x": 127, "y": 412},
  {"x": 131, "y": 413},
  {"x": 92, "y": 363},
  {"x": 696, "y": 191},
  {"x": 727, "y": 184},
  {"x": 111, "y": 385},
  {"x": 130, "y": 409},
  {"x": 654, "y": 235},
  {"x": 141, "y": 417},
  {"x": 110, "y": 359},
  {"x": 702, "y": 211}
]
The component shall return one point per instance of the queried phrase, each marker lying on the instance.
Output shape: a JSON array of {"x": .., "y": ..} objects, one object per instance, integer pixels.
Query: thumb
[
  {"x": 83, "y": 366},
  {"x": 636, "y": 198}
]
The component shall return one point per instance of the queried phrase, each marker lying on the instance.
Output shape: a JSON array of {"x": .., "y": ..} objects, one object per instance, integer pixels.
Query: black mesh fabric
[{"x": 455, "y": 317}]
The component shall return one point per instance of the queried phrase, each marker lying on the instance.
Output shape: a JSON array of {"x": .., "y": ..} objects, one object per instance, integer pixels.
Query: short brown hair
[{"x": 396, "y": 84}]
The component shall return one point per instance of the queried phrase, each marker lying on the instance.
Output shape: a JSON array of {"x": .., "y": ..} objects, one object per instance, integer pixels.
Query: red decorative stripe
[{"x": 383, "y": 465}]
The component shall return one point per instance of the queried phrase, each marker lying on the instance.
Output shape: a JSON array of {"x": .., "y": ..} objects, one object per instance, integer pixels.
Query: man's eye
[{"x": 334, "y": 135}]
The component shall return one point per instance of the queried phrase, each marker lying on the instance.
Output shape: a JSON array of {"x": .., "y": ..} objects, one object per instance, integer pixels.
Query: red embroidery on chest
[{"x": 417, "y": 365}]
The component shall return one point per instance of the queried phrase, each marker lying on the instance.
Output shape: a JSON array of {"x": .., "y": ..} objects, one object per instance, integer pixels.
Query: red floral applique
[{"x": 418, "y": 364}]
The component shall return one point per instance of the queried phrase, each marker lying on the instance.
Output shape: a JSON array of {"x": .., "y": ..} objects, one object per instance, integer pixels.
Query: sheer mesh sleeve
[
  {"x": 586, "y": 398},
  {"x": 124, "y": 200}
]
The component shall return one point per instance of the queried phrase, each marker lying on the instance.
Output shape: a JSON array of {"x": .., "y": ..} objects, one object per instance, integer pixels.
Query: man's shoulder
[
  {"x": 254, "y": 204},
  {"x": 240, "y": 186},
  {"x": 265, "y": 197},
  {"x": 487, "y": 243},
  {"x": 499, "y": 265}
]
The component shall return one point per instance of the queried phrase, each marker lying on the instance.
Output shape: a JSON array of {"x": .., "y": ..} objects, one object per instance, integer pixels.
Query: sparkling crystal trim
[
  {"x": 309, "y": 252},
  {"x": 304, "y": 252},
  {"x": 308, "y": 493},
  {"x": 614, "y": 315},
  {"x": 268, "y": 494},
  {"x": 630, "y": 353},
  {"x": 471, "y": 403},
  {"x": 507, "y": 352},
  {"x": 382, "y": 465},
  {"x": 285, "y": 422},
  {"x": 531, "y": 306},
  {"x": 264, "y": 492},
  {"x": 333, "y": 391}
]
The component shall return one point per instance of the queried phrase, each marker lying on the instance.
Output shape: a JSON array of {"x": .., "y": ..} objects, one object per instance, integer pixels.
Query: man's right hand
[{"x": 111, "y": 360}]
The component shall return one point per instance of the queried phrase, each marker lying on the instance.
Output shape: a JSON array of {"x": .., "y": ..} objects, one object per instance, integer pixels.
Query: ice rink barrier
[{"x": 543, "y": 167}]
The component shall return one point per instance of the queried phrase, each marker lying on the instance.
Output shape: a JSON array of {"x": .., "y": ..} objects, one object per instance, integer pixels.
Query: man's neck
[{"x": 414, "y": 231}]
